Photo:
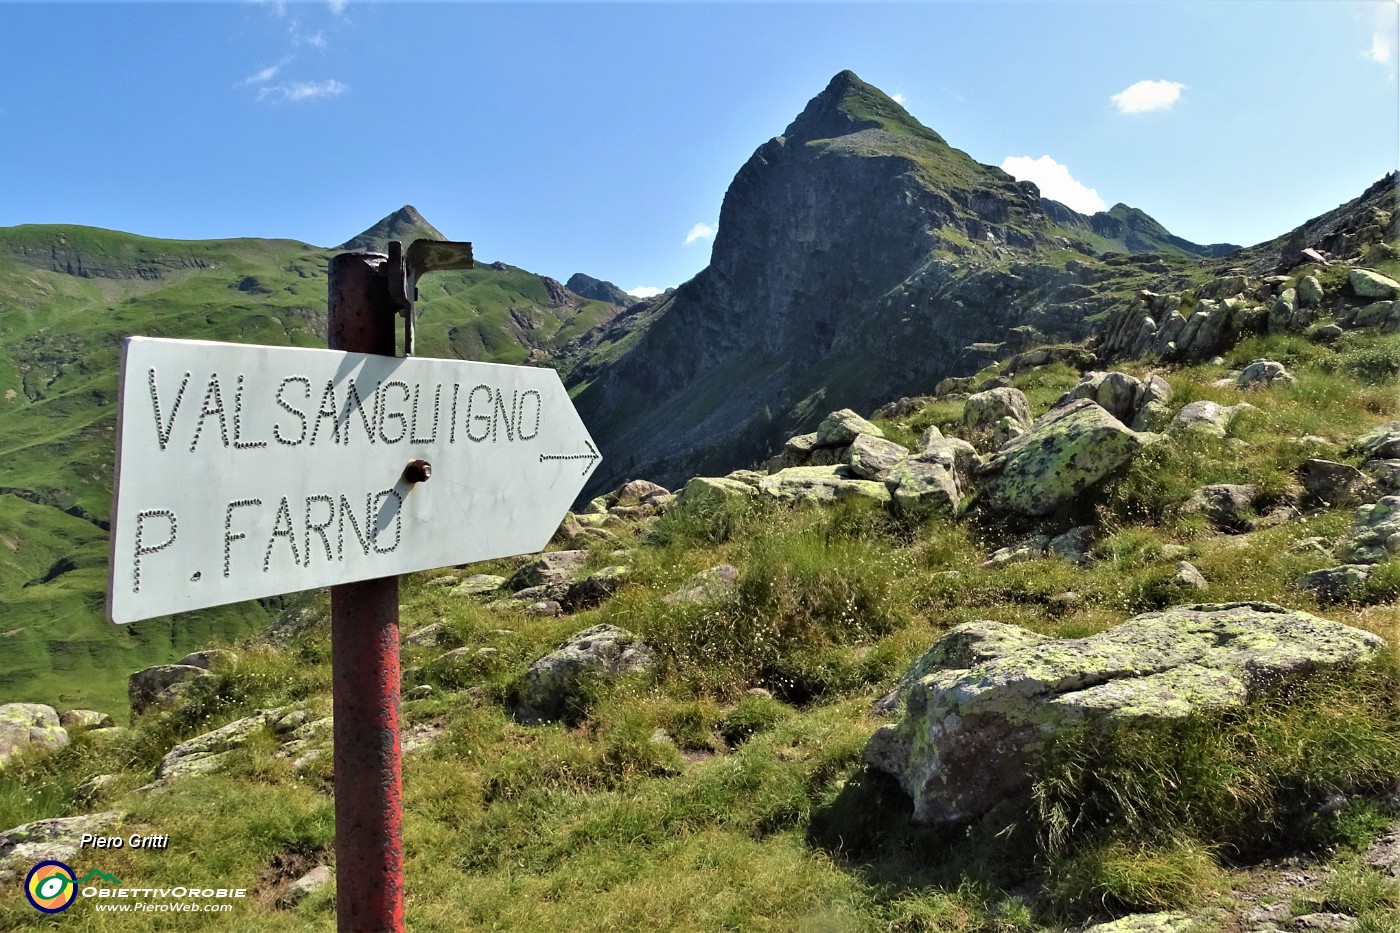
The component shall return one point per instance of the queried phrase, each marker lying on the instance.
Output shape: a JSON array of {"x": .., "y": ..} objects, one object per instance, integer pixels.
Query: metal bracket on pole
[{"x": 404, "y": 271}]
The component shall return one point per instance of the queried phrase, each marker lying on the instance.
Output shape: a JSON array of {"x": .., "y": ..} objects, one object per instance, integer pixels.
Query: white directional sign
[{"x": 249, "y": 471}]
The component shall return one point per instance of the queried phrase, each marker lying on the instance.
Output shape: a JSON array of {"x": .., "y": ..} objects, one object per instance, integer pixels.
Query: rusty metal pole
[{"x": 365, "y": 663}]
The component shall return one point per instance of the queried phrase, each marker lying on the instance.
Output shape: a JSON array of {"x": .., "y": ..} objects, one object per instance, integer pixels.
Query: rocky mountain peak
[
  {"x": 404, "y": 225},
  {"x": 849, "y": 105}
]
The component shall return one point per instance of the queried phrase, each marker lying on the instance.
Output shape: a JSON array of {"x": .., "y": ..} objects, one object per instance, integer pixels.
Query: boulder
[
  {"x": 1064, "y": 453},
  {"x": 988, "y": 409},
  {"x": 1225, "y": 286},
  {"x": 707, "y": 494},
  {"x": 568, "y": 530},
  {"x": 841, "y": 427},
  {"x": 76, "y": 719},
  {"x": 1262, "y": 374},
  {"x": 29, "y": 725},
  {"x": 1163, "y": 922},
  {"x": 207, "y": 752},
  {"x": 428, "y": 636},
  {"x": 1336, "y": 584},
  {"x": 1379, "y": 443},
  {"x": 871, "y": 457},
  {"x": 710, "y": 585},
  {"x": 972, "y": 734},
  {"x": 550, "y": 569},
  {"x": 93, "y": 788},
  {"x": 209, "y": 658},
  {"x": 820, "y": 484},
  {"x": 1367, "y": 283},
  {"x": 48, "y": 840},
  {"x": 1333, "y": 483},
  {"x": 1074, "y": 544},
  {"x": 636, "y": 492},
  {"x": 1309, "y": 292},
  {"x": 1228, "y": 506},
  {"x": 1207, "y": 417},
  {"x": 1031, "y": 548},
  {"x": 925, "y": 485},
  {"x": 962, "y": 647},
  {"x": 594, "y": 588},
  {"x": 1188, "y": 577},
  {"x": 161, "y": 685},
  {"x": 480, "y": 583},
  {"x": 1386, "y": 474},
  {"x": 1374, "y": 534},
  {"x": 601, "y": 651},
  {"x": 1117, "y": 393}
]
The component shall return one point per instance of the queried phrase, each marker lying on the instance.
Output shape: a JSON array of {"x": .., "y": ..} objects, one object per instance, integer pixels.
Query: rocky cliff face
[
  {"x": 598, "y": 289},
  {"x": 859, "y": 257}
]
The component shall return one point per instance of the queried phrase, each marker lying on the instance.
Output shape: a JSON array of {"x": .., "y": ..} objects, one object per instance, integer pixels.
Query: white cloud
[
  {"x": 898, "y": 99},
  {"x": 1055, "y": 182},
  {"x": 317, "y": 39},
  {"x": 701, "y": 231},
  {"x": 1146, "y": 96},
  {"x": 337, "y": 6},
  {"x": 644, "y": 291},
  {"x": 1381, "y": 51},
  {"x": 266, "y": 74},
  {"x": 303, "y": 90}
]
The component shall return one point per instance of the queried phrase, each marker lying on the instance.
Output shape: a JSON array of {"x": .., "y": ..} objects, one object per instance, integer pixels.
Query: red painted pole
[{"x": 365, "y": 663}]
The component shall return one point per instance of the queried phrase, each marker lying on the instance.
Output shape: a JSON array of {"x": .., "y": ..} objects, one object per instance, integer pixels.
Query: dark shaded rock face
[
  {"x": 836, "y": 279},
  {"x": 404, "y": 225},
  {"x": 587, "y": 286}
]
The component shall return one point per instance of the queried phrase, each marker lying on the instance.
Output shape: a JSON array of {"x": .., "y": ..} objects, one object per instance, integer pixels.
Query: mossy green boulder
[
  {"x": 971, "y": 736},
  {"x": 1367, "y": 283},
  {"x": 821, "y": 484},
  {"x": 1063, "y": 454},
  {"x": 29, "y": 725},
  {"x": 841, "y": 427},
  {"x": 1375, "y": 533}
]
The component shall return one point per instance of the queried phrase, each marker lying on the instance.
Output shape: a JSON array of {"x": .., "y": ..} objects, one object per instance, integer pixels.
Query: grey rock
[
  {"x": 710, "y": 585},
  {"x": 1335, "y": 483},
  {"x": 596, "y": 587},
  {"x": 1074, "y": 544},
  {"x": 1207, "y": 417},
  {"x": 161, "y": 685},
  {"x": 636, "y": 492},
  {"x": 871, "y": 457},
  {"x": 1309, "y": 292},
  {"x": 480, "y": 583},
  {"x": 422, "y": 691},
  {"x": 987, "y": 409},
  {"x": 1374, "y": 533},
  {"x": 208, "y": 752},
  {"x": 711, "y": 496},
  {"x": 76, "y": 719},
  {"x": 1262, "y": 374},
  {"x": 601, "y": 651},
  {"x": 1336, "y": 584},
  {"x": 308, "y": 884},
  {"x": 962, "y": 647},
  {"x": 971, "y": 737},
  {"x": 927, "y": 484},
  {"x": 841, "y": 427},
  {"x": 820, "y": 484},
  {"x": 49, "y": 840},
  {"x": 1164, "y": 922},
  {"x": 1386, "y": 474},
  {"x": 209, "y": 658},
  {"x": 1227, "y": 505},
  {"x": 29, "y": 725},
  {"x": 93, "y": 788},
  {"x": 1189, "y": 577},
  {"x": 554, "y": 567},
  {"x": 428, "y": 635},
  {"x": 1379, "y": 443},
  {"x": 1368, "y": 283},
  {"x": 1324, "y": 921},
  {"x": 1026, "y": 549}
]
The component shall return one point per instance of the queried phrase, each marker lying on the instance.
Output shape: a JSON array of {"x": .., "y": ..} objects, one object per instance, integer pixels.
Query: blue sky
[{"x": 601, "y": 138}]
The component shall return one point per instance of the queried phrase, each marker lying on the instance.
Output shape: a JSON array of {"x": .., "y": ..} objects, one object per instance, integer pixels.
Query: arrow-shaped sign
[{"x": 249, "y": 471}]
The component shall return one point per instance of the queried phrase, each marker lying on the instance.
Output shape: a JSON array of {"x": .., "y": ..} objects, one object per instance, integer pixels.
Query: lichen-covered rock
[
  {"x": 305, "y": 886},
  {"x": 1309, "y": 292},
  {"x": 1380, "y": 443},
  {"x": 961, "y": 647},
  {"x": 1225, "y": 286},
  {"x": 596, "y": 587},
  {"x": 428, "y": 635},
  {"x": 76, "y": 719},
  {"x": 871, "y": 457},
  {"x": 710, "y": 585},
  {"x": 207, "y": 752},
  {"x": 29, "y": 725},
  {"x": 820, "y": 484},
  {"x": 1064, "y": 453},
  {"x": 1262, "y": 374},
  {"x": 709, "y": 495},
  {"x": 1207, "y": 417},
  {"x": 48, "y": 840},
  {"x": 841, "y": 427},
  {"x": 926, "y": 485},
  {"x": 549, "y": 569},
  {"x": 1368, "y": 283},
  {"x": 569, "y": 529},
  {"x": 1336, "y": 584},
  {"x": 971, "y": 736},
  {"x": 1333, "y": 483},
  {"x": 478, "y": 584},
  {"x": 1164, "y": 922},
  {"x": 636, "y": 492},
  {"x": 1188, "y": 577},
  {"x": 94, "y": 788},
  {"x": 601, "y": 651},
  {"x": 209, "y": 658},
  {"x": 1026, "y": 549},
  {"x": 1229, "y": 506},
  {"x": 161, "y": 685},
  {"x": 1374, "y": 534},
  {"x": 1385, "y": 473},
  {"x": 1115, "y": 392},
  {"x": 987, "y": 409}
]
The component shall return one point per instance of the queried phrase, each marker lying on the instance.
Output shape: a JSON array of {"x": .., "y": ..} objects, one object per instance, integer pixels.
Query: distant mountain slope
[
  {"x": 859, "y": 257},
  {"x": 404, "y": 225},
  {"x": 598, "y": 289},
  {"x": 68, "y": 296}
]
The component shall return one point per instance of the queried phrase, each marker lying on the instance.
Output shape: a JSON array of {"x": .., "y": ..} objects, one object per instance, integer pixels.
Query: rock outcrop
[
  {"x": 975, "y": 723},
  {"x": 603, "y": 651}
]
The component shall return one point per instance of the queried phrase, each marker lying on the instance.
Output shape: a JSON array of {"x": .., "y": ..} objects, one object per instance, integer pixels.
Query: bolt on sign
[{"x": 250, "y": 471}]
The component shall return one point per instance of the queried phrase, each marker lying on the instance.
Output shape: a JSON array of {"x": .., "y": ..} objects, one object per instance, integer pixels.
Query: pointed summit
[
  {"x": 404, "y": 225},
  {"x": 849, "y": 105}
]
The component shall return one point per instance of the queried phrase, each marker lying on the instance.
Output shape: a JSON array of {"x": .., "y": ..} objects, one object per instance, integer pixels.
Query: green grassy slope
[{"x": 68, "y": 297}]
